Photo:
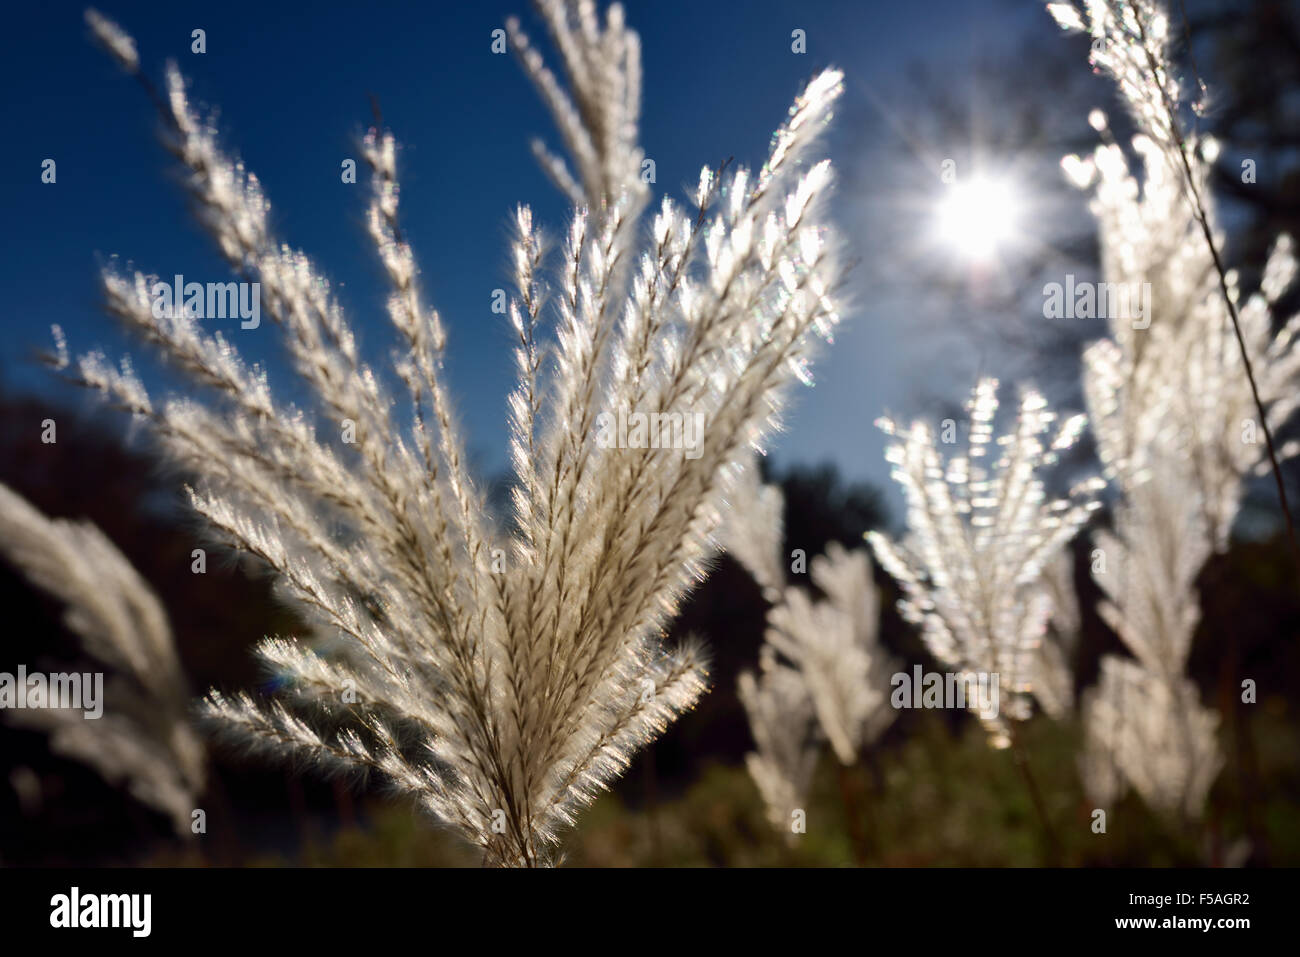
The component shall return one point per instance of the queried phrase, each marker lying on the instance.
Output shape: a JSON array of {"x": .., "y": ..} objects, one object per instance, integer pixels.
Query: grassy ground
[{"x": 935, "y": 798}]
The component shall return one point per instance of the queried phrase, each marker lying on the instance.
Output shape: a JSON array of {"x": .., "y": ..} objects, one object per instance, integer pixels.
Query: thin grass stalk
[{"x": 1051, "y": 845}]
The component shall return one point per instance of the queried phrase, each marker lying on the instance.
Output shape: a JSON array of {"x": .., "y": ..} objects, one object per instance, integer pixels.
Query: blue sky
[{"x": 292, "y": 88}]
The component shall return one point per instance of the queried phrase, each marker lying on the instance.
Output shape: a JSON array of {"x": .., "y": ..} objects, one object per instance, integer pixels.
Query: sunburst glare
[{"x": 977, "y": 218}]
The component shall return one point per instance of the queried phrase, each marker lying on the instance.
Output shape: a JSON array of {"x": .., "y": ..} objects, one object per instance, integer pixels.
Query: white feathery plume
[
  {"x": 1148, "y": 567},
  {"x": 499, "y": 678},
  {"x": 1151, "y": 734},
  {"x": 833, "y": 643},
  {"x": 599, "y": 114},
  {"x": 1182, "y": 382},
  {"x": 980, "y": 530},
  {"x": 778, "y": 701},
  {"x": 1145, "y": 725},
  {"x": 142, "y": 738},
  {"x": 754, "y": 530},
  {"x": 783, "y": 720},
  {"x": 1053, "y": 681},
  {"x": 822, "y": 673},
  {"x": 120, "y": 46},
  {"x": 1173, "y": 408}
]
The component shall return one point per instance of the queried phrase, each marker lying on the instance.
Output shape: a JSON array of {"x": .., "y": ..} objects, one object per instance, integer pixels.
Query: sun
[{"x": 978, "y": 217}]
